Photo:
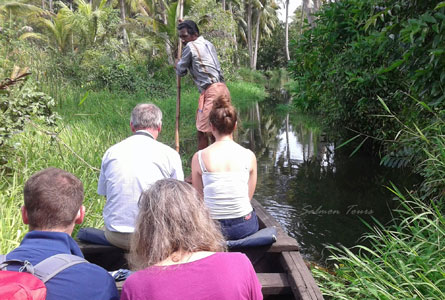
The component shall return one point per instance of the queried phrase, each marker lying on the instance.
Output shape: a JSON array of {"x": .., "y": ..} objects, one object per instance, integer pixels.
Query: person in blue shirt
[{"x": 53, "y": 205}]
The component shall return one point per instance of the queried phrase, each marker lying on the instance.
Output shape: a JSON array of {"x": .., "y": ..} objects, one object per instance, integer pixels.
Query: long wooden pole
[{"x": 178, "y": 82}]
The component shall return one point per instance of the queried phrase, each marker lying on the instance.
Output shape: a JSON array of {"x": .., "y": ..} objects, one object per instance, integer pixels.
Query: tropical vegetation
[
  {"x": 374, "y": 72},
  {"x": 371, "y": 71}
]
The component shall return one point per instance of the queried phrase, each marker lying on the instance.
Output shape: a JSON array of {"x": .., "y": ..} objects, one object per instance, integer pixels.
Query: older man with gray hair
[{"x": 131, "y": 166}]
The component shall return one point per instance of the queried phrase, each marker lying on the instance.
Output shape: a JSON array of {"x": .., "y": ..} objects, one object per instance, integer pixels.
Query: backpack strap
[
  {"x": 53, "y": 265},
  {"x": 25, "y": 266}
]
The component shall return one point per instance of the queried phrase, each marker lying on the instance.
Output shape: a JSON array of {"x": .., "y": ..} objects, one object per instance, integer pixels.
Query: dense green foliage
[
  {"x": 365, "y": 58},
  {"x": 363, "y": 49},
  {"x": 17, "y": 105},
  {"x": 272, "y": 53}
]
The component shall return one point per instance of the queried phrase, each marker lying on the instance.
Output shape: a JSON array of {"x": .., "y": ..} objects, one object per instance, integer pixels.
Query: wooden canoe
[{"x": 280, "y": 267}]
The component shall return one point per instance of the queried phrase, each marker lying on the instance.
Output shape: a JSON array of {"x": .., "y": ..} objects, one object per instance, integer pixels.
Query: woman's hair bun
[
  {"x": 223, "y": 115},
  {"x": 221, "y": 102}
]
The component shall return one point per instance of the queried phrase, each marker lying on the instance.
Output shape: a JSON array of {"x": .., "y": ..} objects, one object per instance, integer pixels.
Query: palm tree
[
  {"x": 310, "y": 7},
  {"x": 123, "y": 20},
  {"x": 240, "y": 35},
  {"x": 85, "y": 20},
  {"x": 249, "y": 12},
  {"x": 263, "y": 12},
  {"x": 160, "y": 20},
  {"x": 57, "y": 31},
  {"x": 286, "y": 38},
  {"x": 15, "y": 8},
  {"x": 266, "y": 21}
]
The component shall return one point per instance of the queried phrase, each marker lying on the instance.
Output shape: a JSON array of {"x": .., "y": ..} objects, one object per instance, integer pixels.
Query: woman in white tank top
[{"x": 226, "y": 174}]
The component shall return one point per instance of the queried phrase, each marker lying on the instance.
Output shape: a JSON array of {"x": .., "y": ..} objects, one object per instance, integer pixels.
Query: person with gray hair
[
  {"x": 131, "y": 166},
  {"x": 179, "y": 251},
  {"x": 146, "y": 116}
]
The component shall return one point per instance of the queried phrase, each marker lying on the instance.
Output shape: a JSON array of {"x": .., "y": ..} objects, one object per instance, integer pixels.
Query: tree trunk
[
  {"x": 302, "y": 19},
  {"x": 257, "y": 39},
  {"x": 234, "y": 38},
  {"x": 223, "y": 3},
  {"x": 51, "y": 5},
  {"x": 43, "y": 4},
  {"x": 124, "y": 31},
  {"x": 249, "y": 32},
  {"x": 316, "y": 5},
  {"x": 286, "y": 38},
  {"x": 168, "y": 48},
  {"x": 307, "y": 9}
]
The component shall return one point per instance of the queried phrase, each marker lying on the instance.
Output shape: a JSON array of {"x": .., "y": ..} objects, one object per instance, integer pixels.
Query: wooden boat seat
[
  {"x": 108, "y": 257},
  {"x": 272, "y": 284},
  {"x": 88, "y": 248}
]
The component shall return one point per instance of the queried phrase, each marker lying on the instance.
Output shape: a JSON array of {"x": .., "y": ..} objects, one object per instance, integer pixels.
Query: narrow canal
[{"x": 318, "y": 194}]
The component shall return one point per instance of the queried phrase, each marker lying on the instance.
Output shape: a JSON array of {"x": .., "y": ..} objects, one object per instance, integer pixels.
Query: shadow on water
[{"x": 318, "y": 194}]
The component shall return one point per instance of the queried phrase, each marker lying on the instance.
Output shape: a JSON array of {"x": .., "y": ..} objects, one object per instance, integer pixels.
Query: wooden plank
[
  {"x": 95, "y": 248},
  {"x": 300, "y": 278},
  {"x": 271, "y": 283},
  {"x": 284, "y": 242},
  {"x": 274, "y": 283}
]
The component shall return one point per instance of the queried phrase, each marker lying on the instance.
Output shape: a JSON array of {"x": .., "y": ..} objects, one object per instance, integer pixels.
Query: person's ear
[
  {"x": 160, "y": 128},
  {"x": 132, "y": 127},
  {"x": 80, "y": 215},
  {"x": 24, "y": 215},
  {"x": 236, "y": 126}
]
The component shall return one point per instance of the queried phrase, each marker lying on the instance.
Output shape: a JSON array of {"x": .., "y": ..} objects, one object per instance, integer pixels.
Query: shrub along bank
[
  {"x": 374, "y": 70},
  {"x": 371, "y": 68}
]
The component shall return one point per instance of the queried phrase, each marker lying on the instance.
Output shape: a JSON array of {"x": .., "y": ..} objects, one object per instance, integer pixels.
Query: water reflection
[{"x": 318, "y": 194}]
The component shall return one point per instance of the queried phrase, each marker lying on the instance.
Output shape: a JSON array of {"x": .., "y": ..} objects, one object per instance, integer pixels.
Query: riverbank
[{"x": 88, "y": 124}]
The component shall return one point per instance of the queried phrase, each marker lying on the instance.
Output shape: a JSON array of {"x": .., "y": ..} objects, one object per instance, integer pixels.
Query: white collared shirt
[{"x": 128, "y": 168}]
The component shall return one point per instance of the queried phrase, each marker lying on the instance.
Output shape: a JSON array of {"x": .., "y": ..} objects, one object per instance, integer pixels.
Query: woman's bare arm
[
  {"x": 252, "y": 176},
  {"x": 197, "y": 174}
]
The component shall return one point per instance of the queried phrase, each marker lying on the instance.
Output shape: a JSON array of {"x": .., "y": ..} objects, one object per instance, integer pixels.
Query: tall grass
[
  {"x": 86, "y": 128},
  {"x": 406, "y": 260}
]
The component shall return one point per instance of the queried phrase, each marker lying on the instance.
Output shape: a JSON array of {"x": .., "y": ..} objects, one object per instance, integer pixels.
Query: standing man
[
  {"x": 53, "y": 205},
  {"x": 200, "y": 59},
  {"x": 130, "y": 167}
]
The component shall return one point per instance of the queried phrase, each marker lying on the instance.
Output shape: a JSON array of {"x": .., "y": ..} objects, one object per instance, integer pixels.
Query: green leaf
[
  {"x": 422, "y": 136},
  {"x": 440, "y": 5},
  {"x": 348, "y": 141},
  {"x": 358, "y": 147},
  {"x": 428, "y": 18},
  {"x": 84, "y": 98},
  {"x": 437, "y": 51},
  {"x": 391, "y": 67},
  {"x": 384, "y": 104}
]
